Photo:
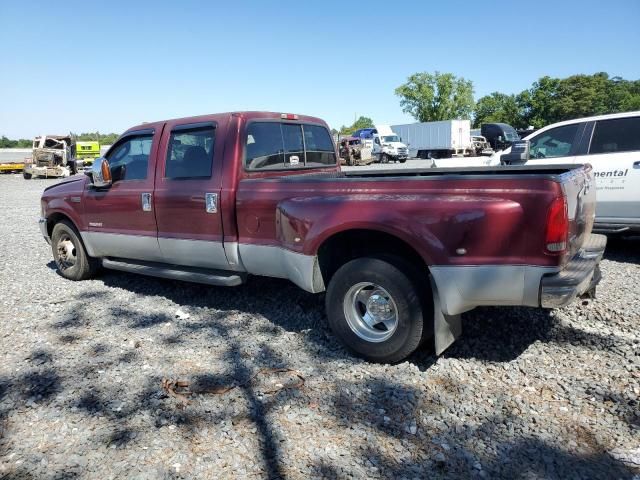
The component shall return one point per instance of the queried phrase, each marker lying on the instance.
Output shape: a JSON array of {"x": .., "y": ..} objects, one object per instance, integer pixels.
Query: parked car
[
  {"x": 611, "y": 143},
  {"x": 216, "y": 198}
]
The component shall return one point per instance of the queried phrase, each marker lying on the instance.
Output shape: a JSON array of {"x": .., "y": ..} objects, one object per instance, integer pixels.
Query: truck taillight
[
  {"x": 556, "y": 239},
  {"x": 289, "y": 116}
]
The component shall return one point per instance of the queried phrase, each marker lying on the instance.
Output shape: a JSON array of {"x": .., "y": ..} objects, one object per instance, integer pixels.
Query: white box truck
[{"x": 443, "y": 139}]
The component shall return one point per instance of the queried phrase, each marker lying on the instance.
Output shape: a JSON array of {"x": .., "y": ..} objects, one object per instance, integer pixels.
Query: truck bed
[{"x": 542, "y": 170}]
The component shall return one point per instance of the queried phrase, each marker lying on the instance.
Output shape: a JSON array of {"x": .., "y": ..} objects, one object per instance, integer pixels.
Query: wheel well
[
  {"x": 56, "y": 218},
  {"x": 345, "y": 246}
]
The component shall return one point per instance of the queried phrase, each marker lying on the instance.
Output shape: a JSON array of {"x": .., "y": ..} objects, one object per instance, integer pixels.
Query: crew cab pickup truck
[{"x": 401, "y": 254}]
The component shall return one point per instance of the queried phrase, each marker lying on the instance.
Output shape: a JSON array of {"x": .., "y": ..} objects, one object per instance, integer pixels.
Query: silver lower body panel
[
  {"x": 273, "y": 261},
  {"x": 462, "y": 288},
  {"x": 42, "y": 223}
]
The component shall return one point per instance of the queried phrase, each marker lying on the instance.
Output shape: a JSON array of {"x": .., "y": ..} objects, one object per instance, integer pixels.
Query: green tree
[
  {"x": 8, "y": 143},
  {"x": 551, "y": 100},
  {"x": 361, "y": 122},
  {"x": 436, "y": 96},
  {"x": 499, "y": 107}
]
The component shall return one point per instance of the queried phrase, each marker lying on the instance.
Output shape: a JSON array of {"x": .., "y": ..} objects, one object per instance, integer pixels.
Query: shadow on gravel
[
  {"x": 623, "y": 249},
  {"x": 420, "y": 441},
  {"x": 502, "y": 334},
  {"x": 496, "y": 335},
  {"x": 80, "y": 375}
]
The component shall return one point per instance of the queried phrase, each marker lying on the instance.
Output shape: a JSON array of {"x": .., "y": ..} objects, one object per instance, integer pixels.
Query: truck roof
[{"x": 217, "y": 117}]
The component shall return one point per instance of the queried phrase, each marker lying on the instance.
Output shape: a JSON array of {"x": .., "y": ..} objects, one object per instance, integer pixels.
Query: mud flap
[{"x": 446, "y": 328}]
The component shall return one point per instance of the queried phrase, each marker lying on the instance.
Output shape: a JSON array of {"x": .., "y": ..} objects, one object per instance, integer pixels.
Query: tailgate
[{"x": 580, "y": 190}]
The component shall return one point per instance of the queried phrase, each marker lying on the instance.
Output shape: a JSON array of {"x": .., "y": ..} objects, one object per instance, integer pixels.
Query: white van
[{"x": 611, "y": 144}]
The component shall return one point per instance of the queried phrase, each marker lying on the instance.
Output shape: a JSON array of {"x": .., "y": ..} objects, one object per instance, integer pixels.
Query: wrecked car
[
  {"x": 353, "y": 152},
  {"x": 52, "y": 156}
]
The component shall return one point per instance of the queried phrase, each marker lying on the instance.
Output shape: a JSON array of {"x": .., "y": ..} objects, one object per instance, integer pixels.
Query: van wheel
[
  {"x": 70, "y": 255},
  {"x": 26, "y": 176},
  {"x": 374, "y": 307}
]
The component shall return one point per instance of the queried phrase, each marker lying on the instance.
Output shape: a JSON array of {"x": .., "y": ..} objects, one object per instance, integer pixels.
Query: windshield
[
  {"x": 391, "y": 138},
  {"x": 511, "y": 135}
]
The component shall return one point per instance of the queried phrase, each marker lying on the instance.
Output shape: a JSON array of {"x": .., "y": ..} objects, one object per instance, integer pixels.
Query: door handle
[
  {"x": 211, "y": 202},
  {"x": 636, "y": 164},
  {"x": 146, "y": 202}
]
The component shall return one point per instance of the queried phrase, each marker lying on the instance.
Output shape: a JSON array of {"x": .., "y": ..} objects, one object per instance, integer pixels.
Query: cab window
[
  {"x": 616, "y": 135},
  {"x": 278, "y": 145},
  {"x": 319, "y": 146},
  {"x": 556, "y": 142},
  {"x": 130, "y": 159},
  {"x": 264, "y": 149},
  {"x": 190, "y": 153}
]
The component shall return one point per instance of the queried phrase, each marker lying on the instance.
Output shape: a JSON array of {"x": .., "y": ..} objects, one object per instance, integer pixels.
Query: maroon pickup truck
[{"x": 401, "y": 254}]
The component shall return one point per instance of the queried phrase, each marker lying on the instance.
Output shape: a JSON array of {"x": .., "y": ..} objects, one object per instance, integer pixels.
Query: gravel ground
[{"x": 524, "y": 394}]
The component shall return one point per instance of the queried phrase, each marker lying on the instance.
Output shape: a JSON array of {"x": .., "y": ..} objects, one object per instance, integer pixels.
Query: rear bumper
[{"x": 579, "y": 277}]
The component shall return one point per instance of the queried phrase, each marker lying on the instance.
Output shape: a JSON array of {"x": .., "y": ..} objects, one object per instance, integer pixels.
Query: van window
[
  {"x": 130, "y": 159},
  {"x": 556, "y": 142},
  {"x": 190, "y": 153},
  {"x": 275, "y": 145},
  {"x": 616, "y": 135}
]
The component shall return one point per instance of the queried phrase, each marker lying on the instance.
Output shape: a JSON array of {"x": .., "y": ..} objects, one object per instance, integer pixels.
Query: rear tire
[
  {"x": 70, "y": 255},
  {"x": 26, "y": 176},
  {"x": 402, "y": 160},
  {"x": 374, "y": 307}
]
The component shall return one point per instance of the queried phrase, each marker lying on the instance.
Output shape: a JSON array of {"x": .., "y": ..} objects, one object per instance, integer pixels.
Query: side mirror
[
  {"x": 518, "y": 155},
  {"x": 101, "y": 173}
]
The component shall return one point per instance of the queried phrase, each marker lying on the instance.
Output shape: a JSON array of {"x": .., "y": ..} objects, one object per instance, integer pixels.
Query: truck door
[
  {"x": 187, "y": 196},
  {"x": 121, "y": 222},
  {"x": 614, "y": 153}
]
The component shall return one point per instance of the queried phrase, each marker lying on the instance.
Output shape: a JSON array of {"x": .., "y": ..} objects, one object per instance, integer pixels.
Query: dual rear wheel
[{"x": 379, "y": 308}]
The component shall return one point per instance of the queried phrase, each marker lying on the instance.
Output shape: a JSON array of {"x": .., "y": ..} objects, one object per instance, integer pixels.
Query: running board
[{"x": 174, "y": 272}]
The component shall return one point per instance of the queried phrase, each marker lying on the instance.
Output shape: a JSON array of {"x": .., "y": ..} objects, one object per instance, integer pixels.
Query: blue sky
[{"x": 86, "y": 66}]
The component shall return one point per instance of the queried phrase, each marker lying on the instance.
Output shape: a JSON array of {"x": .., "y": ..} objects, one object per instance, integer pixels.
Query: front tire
[
  {"x": 26, "y": 176},
  {"x": 374, "y": 307},
  {"x": 70, "y": 255}
]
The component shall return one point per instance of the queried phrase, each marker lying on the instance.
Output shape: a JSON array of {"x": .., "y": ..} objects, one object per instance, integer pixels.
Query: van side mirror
[
  {"x": 519, "y": 154},
  {"x": 101, "y": 173}
]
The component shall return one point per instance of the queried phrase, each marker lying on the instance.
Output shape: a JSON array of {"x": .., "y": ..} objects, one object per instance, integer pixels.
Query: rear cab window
[{"x": 273, "y": 145}]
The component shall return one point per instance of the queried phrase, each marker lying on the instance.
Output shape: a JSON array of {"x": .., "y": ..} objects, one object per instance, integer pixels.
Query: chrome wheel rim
[
  {"x": 371, "y": 312},
  {"x": 66, "y": 252}
]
